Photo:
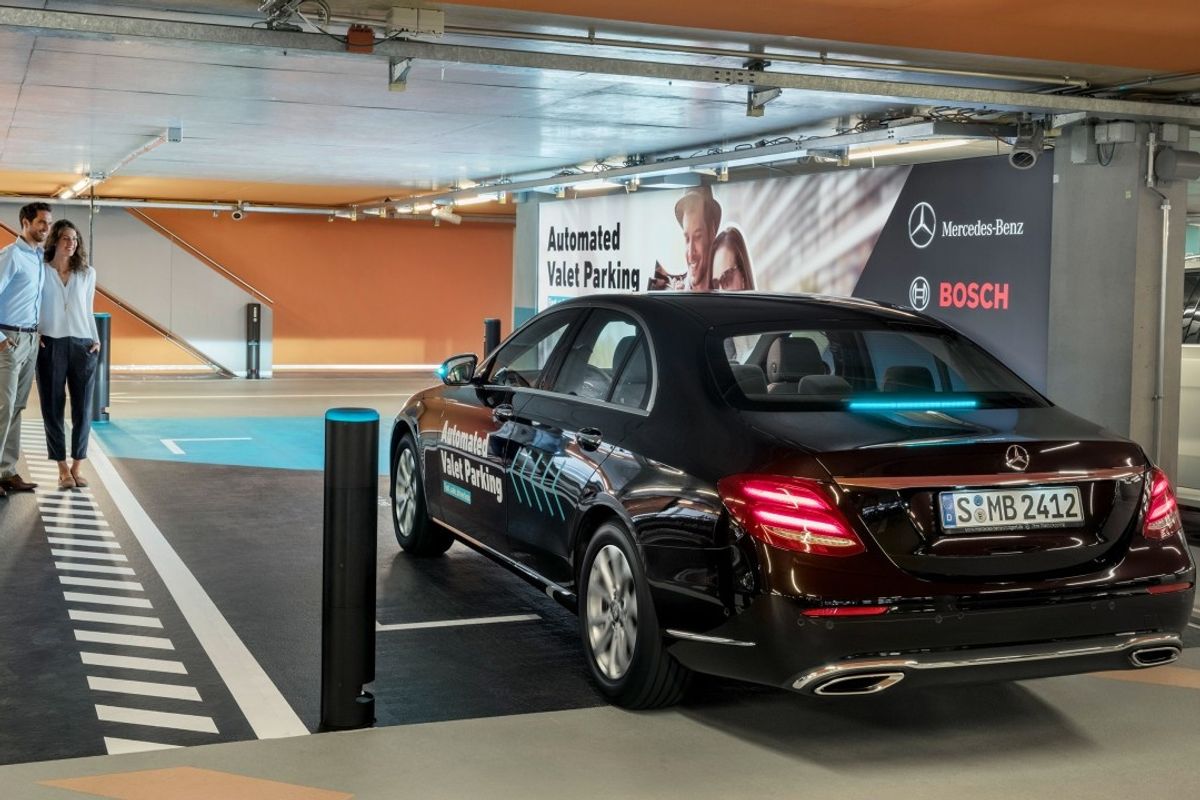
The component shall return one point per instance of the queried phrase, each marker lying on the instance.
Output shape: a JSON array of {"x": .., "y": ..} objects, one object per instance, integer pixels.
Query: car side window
[
  {"x": 600, "y": 360},
  {"x": 522, "y": 359}
]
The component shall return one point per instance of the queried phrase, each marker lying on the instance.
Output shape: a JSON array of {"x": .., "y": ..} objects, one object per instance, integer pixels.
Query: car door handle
[
  {"x": 589, "y": 438},
  {"x": 503, "y": 412}
]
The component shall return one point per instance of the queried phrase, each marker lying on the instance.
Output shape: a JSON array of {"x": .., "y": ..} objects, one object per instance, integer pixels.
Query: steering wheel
[
  {"x": 593, "y": 383},
  {"x": 510, "y": 377}
]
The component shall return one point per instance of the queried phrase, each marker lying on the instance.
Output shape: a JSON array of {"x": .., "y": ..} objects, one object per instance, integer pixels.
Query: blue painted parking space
[{"x": 270, "y": 442}]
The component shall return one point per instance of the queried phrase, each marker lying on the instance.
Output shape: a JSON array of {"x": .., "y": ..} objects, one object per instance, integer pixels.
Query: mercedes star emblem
[
  {"x": 922, "y": 225},
  {"x": 1016, "y": 458}
]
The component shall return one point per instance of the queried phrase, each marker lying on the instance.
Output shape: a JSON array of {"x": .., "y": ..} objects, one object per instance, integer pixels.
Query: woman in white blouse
[{"x": 70, "y": 342}]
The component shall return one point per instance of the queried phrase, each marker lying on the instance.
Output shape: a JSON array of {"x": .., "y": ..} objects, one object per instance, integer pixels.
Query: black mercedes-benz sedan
[{"x": 827, "y": 495}]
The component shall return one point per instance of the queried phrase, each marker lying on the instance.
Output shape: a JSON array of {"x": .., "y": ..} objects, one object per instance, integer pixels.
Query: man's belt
[{"x": 18, "y": 328}]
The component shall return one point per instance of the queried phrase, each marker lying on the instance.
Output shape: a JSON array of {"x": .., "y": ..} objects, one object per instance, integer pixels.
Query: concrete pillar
[{"x": 1105, "y": 278}]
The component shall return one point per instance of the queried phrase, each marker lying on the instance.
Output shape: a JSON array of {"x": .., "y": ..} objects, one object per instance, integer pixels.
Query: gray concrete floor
[{"x": 1092, "y": 736}]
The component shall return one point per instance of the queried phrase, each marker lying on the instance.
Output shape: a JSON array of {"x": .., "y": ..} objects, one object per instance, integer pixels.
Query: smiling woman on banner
[
  {"x": 67, "y": 358},
  {"x": 731, "y": 262}
]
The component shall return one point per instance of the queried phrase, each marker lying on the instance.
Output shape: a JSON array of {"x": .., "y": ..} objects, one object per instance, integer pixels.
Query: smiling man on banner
[{"x": 699, "y": 215}]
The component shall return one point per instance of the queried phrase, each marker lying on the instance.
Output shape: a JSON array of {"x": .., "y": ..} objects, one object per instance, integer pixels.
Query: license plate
[{"x": 1011, "y": 508}]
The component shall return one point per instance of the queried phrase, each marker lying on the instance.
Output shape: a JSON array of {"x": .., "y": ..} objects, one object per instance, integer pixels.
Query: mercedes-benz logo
[
  {"x": 918, "y": 293},
  {"x": 1016, "y": 458},
  {"x": 922, "y": 225}
]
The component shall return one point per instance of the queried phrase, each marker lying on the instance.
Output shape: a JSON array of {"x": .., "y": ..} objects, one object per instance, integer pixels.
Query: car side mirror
[{"x": 458, "y": 370}]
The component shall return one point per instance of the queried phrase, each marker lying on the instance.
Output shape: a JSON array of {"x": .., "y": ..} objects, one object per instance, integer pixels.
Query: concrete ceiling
[{"x": 300, "y": 126}]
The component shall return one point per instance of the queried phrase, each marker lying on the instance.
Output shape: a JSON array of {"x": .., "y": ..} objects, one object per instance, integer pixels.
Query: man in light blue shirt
[{"x": 21, "y": 280}]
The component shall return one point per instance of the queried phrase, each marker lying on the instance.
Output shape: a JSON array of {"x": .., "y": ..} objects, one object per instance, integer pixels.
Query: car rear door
[
  {"x": 599, "y": 394},
  {"x": 467, "y": 468}
]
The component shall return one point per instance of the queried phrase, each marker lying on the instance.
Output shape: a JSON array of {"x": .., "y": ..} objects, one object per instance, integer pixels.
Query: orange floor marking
[
  {"x": 190, "y": 783},
  {"x": 1163, "y": 676}
]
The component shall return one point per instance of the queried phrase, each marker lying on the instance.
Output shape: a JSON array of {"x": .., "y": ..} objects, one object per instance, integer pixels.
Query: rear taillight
[
  {"x": 1162, "y": 514},
  {"x": 789, "y": 513}
]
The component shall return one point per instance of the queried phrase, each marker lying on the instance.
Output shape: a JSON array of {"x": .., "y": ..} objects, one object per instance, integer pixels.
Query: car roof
[{"x": 715, "y": 309}]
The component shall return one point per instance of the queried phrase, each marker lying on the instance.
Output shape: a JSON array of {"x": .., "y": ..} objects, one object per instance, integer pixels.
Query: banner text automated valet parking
[{"x": 966, "y": 241}]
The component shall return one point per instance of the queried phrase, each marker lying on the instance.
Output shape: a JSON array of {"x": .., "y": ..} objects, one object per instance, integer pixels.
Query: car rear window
[{"x": 889, "y": 367}]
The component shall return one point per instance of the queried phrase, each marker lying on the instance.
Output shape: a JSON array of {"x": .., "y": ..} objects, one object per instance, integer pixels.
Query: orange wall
[
  {"x": 1158, "y": 35},
  {"x": 367, "y": 292}
]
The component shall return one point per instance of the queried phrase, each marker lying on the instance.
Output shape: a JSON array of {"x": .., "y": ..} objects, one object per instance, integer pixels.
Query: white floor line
[
  {"x": 89, "y": 556},
  {"x": 124, "y": 639},
  {"x": 100, "y": 583},
  {"x": 107, "y": 600},
  {"x": 80, "y": 531},
  {"x": 158, "y": 719},
  {"x": 144, "y": 688},
  {"x": 116, "y": 746},
  {"x": 452, "y": 623},
  {"x": 1193, "y": 625},
  {"x": 131, "y": 662},
  {"x": 260, "y": 700},
  {"x": 134, "y": 620},
  {"x": 54, "y": 518},
  {"x": 139, "y": 398},
  {"x": 104, "y": 569},
  {"x": 65, "y": 540}
]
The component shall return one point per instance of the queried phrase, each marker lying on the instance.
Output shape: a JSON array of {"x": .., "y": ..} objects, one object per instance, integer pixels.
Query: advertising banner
[{"x": 965, "y": 241}]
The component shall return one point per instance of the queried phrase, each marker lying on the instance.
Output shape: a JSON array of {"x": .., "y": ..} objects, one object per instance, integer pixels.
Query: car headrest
[
  {"x": 824, "y": 386},
  {"x": 750, "y": 378},
  {"x": 622, "y": 350},
  {"x": 904, "y": 378},
  {"x": 791, "y": 359}
]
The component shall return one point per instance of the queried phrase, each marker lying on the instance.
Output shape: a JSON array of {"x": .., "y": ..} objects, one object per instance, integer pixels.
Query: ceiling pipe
[
  {"x": 745, "y": 156},
  {"x": 340, "y": 212},
  {"x": 721, "y": 52}
]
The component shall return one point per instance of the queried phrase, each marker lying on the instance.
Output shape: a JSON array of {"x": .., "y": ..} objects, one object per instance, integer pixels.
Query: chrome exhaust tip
[
  {"x": 863, "y": 683},
  {"x": 1153, "y": 656}
]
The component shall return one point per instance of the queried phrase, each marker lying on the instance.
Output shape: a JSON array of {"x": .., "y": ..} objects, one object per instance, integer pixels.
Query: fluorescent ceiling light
[
  {"x": 682, "y": 180},
  {"x": 596, "y": 184},
  {"x": 904, "y": 148},
  {"x": 482, "y": 198}
]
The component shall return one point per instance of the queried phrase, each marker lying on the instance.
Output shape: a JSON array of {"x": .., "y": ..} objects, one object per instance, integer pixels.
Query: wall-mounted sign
[{"x": 966, "y": 241}]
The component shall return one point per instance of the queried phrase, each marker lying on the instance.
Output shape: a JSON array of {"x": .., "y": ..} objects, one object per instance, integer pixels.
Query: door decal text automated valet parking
[{"x": 460, "y": 465}]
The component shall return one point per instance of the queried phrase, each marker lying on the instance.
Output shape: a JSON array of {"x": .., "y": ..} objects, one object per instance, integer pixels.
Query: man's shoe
[{"x": 17, "y": 484}]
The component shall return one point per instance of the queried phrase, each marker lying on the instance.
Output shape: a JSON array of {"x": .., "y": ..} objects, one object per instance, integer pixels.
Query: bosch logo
[
  {"x": 922, "y": 225},
  {"x": 919, "y": 293},
  {"x": 986, "y": 295}
]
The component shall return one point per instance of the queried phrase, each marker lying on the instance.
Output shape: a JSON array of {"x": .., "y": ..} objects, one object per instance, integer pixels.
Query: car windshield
[{"x": 882, "y": 367}]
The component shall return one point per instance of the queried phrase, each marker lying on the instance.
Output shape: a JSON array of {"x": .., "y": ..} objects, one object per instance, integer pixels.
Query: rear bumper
[
  {"x": 871, "y": 675},
  {"x": 771, "y": 642}
]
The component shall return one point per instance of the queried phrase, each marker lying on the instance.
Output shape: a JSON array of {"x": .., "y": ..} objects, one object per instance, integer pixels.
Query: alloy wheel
[
  {"x": 404, "y": 508},
  {"x": 612, "y": 612}
]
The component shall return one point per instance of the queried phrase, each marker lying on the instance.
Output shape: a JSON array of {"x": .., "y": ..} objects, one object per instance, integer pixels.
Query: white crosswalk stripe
[
  {"x": 78, "y": 531},
  {"x": 135, "y": 620},
  {"x": 100, "y": 583},
  {"x": 64, "y": 540},
  {"x": 144, "y": 688},
  {"x": 132, "y": 662},
  {"x": 124, "y": 639},
  {"x": 68, "y": 566},
  {"x": 107, "y": 600},
  {"x": 88, "y": 556},
  {"x": 158, "y": 719},
  {"x": 117, "y": 746}
]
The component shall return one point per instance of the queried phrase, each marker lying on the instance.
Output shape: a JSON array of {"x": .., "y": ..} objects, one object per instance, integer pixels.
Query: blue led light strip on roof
[{"x": 912, "y": 405}]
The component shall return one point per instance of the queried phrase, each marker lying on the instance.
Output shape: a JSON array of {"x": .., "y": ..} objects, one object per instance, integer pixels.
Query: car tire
[
  {"x": 621, "y": 638},
  {"x": 416, "y": 533}
]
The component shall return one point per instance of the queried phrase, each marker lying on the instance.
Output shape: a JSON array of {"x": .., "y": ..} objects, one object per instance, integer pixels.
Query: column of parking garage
[{"x": 1106, "y": 263}]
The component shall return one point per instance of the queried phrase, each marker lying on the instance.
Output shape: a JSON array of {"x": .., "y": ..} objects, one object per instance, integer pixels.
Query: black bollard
[
  {"x": 491, "y": 335},
  {"x": 103, "y": 365},
  {"x": 348, "y": 597},
  {"x": 253, "y": 340}
]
